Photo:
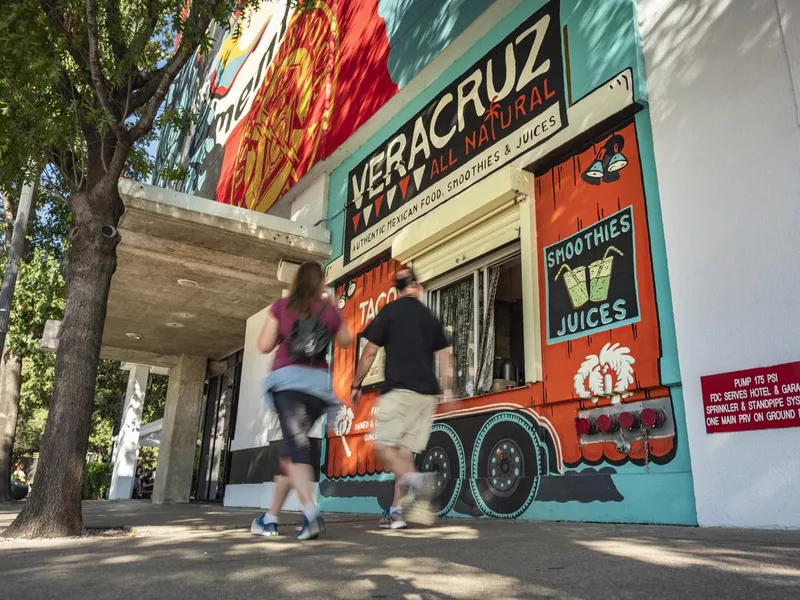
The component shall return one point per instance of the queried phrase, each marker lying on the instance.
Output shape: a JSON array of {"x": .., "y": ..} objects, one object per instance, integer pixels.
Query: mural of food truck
[{"x": 601, "y": 404}]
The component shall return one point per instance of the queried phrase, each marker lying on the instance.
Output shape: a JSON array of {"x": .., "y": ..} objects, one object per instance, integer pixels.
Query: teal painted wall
[{"x": 418, "y": 30}]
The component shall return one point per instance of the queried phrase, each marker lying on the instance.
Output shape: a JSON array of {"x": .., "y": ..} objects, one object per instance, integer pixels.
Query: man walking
[{"x": 412, "y": 338}]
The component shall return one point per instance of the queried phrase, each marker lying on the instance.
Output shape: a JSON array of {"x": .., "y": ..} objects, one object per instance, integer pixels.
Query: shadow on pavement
[{"x": 192, "y": 551}]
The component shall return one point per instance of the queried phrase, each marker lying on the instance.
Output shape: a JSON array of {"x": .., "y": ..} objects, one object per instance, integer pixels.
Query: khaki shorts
[{"x": 404, "y": 419}]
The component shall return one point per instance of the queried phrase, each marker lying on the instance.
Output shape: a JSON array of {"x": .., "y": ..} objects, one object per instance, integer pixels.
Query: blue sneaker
[
  {"x": 392, "y": 520},
  {"x": 311, "y": 529},
  {"x": 259, "y": 527}
]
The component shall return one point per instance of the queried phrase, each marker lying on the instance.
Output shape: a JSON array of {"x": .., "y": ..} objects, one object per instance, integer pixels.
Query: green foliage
[
  {"x": 39, "y": 296},
  {"x": 96, "y": 480},
  {"x": 80, "y": 78},
  {"x": 303, "y": 4},
  {"x": 30, "y": 427},
  {"x": 173, "y": 172},
  {"x": 148, "y": 458},
  {"x": 156, "y": 398},
  {"x": 51, "y": 223},
  {"x": 109, "y": 399}
]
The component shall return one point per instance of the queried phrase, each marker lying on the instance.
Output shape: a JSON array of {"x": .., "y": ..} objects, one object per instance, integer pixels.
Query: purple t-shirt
[{"x": 330, "y": 318}]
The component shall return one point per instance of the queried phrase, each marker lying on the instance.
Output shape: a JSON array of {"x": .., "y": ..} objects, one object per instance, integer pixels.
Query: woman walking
[{"x": 300, "y": 326}]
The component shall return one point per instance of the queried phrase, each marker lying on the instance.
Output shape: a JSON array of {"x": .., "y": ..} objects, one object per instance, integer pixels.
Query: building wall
[
  {"x": 724, "y": 110},
  {"x": 292, "y": 87},
  {"x": 256, "y": 425},
  {"x": 604, "y": 52}
]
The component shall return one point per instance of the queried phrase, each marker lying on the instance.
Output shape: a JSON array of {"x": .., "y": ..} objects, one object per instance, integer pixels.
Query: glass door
[{"x": 217, "y": 426}]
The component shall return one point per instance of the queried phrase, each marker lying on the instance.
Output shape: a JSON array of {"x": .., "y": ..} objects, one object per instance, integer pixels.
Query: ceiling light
[
  {"x": 183, "y": 315},
  {"x": 175, "y": 325},
  {"x": 189, "y": 283},
  {"x": 134, "y": 336}
]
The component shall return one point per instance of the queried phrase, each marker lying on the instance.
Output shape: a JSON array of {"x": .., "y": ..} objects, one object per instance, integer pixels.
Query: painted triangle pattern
[
  {"x": 418, "y": 173},
  {"x": 356, "y": 220},
  {"x": 378, "y": 203},
  {"x": 367, "y": 214},
  {"x": 390, "y": 196},
  {"x": 403, "y": 186}
]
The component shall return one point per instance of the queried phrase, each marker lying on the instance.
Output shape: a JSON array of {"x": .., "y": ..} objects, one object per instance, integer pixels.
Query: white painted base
[{"x": 259, "y": 495}]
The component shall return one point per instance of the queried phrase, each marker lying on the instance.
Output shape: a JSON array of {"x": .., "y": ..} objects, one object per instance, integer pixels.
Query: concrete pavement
[{"x": 198, "y": 551}]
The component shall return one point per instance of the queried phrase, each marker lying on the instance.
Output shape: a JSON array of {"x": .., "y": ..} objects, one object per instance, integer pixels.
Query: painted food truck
[{"x": 533, "y": 223}]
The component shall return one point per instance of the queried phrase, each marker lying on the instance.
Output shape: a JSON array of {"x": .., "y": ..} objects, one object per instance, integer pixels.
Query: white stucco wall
[
  {"x": 259, "y": 495},
  {"x": 311, "y": 205},
  {"x": 727, "y": 147},
  {"x": 255, "y": 424}
]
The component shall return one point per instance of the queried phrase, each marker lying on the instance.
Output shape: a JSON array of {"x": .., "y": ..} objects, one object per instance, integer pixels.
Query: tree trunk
[
  {"x": 54, "y": 508},
  {"x": 10, "y": 382}
]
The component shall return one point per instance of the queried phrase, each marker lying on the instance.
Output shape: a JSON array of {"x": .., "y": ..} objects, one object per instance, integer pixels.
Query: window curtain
[
  {"x": 457, "y": 312},
  {"x": 486, "y": 346}
]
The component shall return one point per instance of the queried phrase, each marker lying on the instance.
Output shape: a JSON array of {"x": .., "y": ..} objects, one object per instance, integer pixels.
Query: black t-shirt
[{"x": 410, "y": 334}]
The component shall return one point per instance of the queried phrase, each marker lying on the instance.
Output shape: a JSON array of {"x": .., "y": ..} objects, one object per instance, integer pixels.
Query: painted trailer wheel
[
  {"x": 506, "y": 466},
  {"x": 444, "y": 457}
]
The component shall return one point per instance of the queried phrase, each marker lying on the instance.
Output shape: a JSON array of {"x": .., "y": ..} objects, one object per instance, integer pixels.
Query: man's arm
[
  {"x": 445, "y": 358},
  {"x": 363, "y": 367}
]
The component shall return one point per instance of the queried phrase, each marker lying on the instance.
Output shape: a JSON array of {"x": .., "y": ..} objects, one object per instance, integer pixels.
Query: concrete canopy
[{"x": 190, "y": 271}]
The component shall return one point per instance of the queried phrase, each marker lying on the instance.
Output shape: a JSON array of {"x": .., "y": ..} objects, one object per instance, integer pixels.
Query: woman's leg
[
  {"x": 266, "y": 524},
  {"x": 283, "y": 485},
  {"x": 297, "y": 413}
]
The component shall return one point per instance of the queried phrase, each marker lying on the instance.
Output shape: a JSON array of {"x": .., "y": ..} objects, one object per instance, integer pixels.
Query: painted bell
[
  {"x": 594, "y": 173},
  {"x": 617, "y": 162}
]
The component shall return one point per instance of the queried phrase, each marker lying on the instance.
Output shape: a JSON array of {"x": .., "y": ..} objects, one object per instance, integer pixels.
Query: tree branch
[
  {"x": 163, "y": 77},
  {"x": 98, "y": 79},
  {"x": 145, "y": 32},
  {"x": 114, "y": 25},
  {"x": 66, "y": 165},
  {"x": 50, "y": 9}
]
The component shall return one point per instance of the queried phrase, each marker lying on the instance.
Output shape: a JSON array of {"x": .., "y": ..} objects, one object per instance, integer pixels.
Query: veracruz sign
[{"x": 510, "y": 101}]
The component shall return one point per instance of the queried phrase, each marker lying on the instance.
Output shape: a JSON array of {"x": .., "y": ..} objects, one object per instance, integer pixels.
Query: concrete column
[
  {"x": 179, "y": 433},
  {"x": 126, "y": 448}
]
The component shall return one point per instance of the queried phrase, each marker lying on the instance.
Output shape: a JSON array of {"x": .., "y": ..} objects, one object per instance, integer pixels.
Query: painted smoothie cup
[
  {"x": 575, "y": 280},
  {"x": 600, "y": 276}
]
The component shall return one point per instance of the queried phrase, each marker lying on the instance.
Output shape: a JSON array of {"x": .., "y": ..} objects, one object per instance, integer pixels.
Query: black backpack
[{"x": 309, "y": 338}]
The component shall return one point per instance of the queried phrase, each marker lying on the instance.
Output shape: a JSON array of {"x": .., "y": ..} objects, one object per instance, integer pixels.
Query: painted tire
[
  {"x": 444, "y": 456},
  {"x": 506, "y": 466}
]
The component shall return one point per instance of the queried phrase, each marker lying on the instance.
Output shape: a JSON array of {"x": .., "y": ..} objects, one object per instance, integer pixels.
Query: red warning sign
[{"x": 763, "y": 398}]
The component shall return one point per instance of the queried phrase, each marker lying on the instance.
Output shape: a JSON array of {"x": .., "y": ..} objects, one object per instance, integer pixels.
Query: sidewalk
[{"x": 201, "y": 551}]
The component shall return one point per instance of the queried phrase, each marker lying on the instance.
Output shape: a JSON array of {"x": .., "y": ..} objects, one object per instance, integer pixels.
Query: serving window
[
  {"x": 481, "y": 309},
  {"x": 476, "y": 256}
]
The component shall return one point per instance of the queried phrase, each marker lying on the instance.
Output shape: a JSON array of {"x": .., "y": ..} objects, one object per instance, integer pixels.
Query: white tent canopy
[{"x": 149, "y": 434}]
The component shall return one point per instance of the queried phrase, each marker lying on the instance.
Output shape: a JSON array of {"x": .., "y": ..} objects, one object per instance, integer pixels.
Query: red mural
[{"x": 328, "y": 76}]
